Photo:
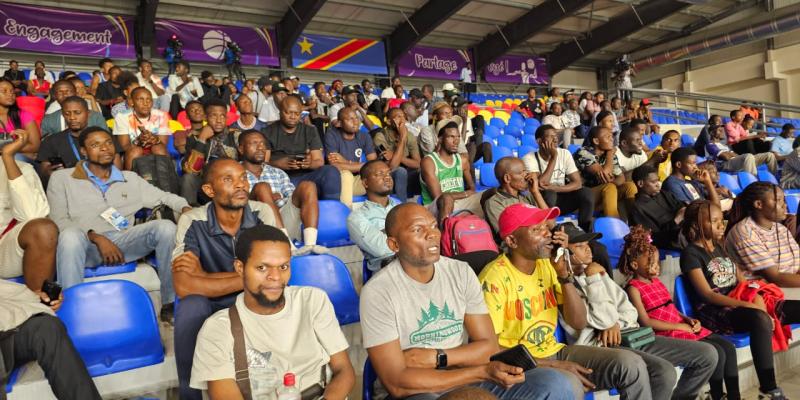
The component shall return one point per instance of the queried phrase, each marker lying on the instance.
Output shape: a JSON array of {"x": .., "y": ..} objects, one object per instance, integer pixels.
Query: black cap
[
  {"x": 349, "y": 89},
  {"x": 415, "y": 93},
  {"x": 577, "y": 235},
  {"x": 459, "y": 101},
  {"x": 277, "y": 87}
]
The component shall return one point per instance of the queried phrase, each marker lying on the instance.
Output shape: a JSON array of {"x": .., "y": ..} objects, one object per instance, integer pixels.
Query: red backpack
[{"x": 465, "y": 232}]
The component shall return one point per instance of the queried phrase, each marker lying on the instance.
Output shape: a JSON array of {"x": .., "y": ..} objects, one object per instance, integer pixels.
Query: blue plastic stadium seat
[
  {"x": 331, "y": 275},
  {"x": 85, "y": 77},
  {"x": 17, "y": 279},
  {"x": 514, "y": 131},
  {"x": 613, "y": 230},
  {"x": 792, "y": 203},
  {"x": 332, "y": 226},
  {"x": 491, "y": 131},
  {"x": 359, "y": 198},
  {"x": 370, "y": 376},
  {"x": 528, "y": 140},
  {"x": 766, "y": 176},
  {"x": 516, "y": 122},
  {"x": 529, "y": 130},
  {"x": 497, "y": 122},
  {"x": 573, "y": 148},
  {"x": 103, "y": 270},
  {"x": 532, "y": 122},
  {"x": 684, "y": 305},
  {"x": 508, "y": 141},
  {"x": 165, "y": 81},
  {"x": 655, "y": 139},
  {"x": 487, "y": 176},
  {"x": 112, "y": 325},
  {"x": 687, "y": 140},
  {"x": 12, "y": 379},
  {"x": 499, "y": 152},
  {"x": 745, "y": 178},
  {"x": 731, "y": 182},
  {"x": 522, "y": 151}
]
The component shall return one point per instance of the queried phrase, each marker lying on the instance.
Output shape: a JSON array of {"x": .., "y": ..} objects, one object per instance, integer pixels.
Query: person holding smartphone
[
  {"x": 60, "y": 150},
  {"x": 142, "y": 130}
]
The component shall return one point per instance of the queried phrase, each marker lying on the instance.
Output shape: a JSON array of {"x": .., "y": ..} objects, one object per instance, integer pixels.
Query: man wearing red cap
[
  {"x": 525, "y": 289},
  {"x": 426, "y": 327}
]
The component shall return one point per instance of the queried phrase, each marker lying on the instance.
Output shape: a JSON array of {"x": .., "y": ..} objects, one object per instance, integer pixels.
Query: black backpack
[{"x": 158, "y": 171}]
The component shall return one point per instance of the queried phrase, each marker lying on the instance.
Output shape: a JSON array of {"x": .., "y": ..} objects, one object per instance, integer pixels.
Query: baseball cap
[
  {"x": 522, "y": 215},
  {"x": 277, "y": 87},
  {"x": 294, "y": 77},
  {"x": 459, "y": 101},
  {"x": 449, "y": 87},
  {"x": 349, "y": 89},
  {"x": 577, "y": 235},
  {"x": 645, "y": 102}
]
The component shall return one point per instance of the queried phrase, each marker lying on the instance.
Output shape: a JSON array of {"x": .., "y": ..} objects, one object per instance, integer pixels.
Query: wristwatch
[
  {"x": 441, "y": 359},
  {"x": 566, "y": 279}
]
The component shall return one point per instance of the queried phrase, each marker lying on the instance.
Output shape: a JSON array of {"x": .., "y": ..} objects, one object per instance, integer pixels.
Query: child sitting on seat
[{"x": 639, "y": 261}]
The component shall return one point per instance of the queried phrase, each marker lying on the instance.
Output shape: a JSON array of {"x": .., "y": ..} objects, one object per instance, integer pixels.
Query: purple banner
[
  {"x": 50, "y": 30},
  {"x": 433, "y": 62},
  {"x": 525, "y": 70},
  {"x": 206, "y": 42}
]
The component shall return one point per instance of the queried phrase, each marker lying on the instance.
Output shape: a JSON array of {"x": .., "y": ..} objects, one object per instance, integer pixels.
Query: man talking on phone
[{"x": 297, "y": 149}]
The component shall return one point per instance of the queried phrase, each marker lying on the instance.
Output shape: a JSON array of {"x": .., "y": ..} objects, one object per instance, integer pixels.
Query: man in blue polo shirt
[{"x": 205, "y": 279}]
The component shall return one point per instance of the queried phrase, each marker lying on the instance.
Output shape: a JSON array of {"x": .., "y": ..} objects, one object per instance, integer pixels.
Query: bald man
[
  {"x": 297, "y": 149},
  {"x": 514, "y": 181},
  {"x": 416, "y": 315},
  {"x": 202, "y": 262}
]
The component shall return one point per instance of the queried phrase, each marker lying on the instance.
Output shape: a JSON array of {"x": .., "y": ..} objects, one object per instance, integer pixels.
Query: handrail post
[
  {"x": 764, "y": 117},
  {"x": 677, "y": 114},
  {"x": 708, "y": 110}
]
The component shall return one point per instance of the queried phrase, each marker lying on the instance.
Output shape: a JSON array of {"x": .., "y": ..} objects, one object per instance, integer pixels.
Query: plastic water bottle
[{"x": 289, "y": 391}]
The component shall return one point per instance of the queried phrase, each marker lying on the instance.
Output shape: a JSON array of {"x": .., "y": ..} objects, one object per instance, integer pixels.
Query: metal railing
[{"x": 701, "y": 102}]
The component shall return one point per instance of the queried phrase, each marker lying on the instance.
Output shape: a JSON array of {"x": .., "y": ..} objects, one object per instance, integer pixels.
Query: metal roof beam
[
  {"x": 537, "y": 20},
  {"x": 297, "y": 17},
  {"x": 627, "y": 23},
  {"x": 419, "y": 24}
]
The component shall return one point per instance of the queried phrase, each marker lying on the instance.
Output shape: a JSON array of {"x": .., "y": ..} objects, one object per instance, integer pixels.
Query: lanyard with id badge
[{"x": 117, "y": 220}]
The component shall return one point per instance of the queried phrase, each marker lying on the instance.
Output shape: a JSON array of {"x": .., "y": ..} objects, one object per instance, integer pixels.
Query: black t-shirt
[
  {"x": 719, "y": 270},
  {"x": 536, "y": 108},
  {"x": 58, "y": 145},
  {"x": 283, "y": 144},
  {"x": 107, "y": 91}
]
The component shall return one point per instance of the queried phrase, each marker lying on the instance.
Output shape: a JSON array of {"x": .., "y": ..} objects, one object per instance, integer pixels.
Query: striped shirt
[{"x": 756, "y": 248}]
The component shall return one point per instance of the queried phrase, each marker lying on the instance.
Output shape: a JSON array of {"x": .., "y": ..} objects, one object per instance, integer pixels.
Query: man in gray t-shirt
[{"x": 426, "y": 327}]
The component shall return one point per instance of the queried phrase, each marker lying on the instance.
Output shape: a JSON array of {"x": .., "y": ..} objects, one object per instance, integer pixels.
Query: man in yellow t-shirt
[{"x": 524, "y": 290}]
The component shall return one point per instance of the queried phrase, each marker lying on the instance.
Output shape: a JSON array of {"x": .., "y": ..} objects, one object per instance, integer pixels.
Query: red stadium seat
[
  {"x": 184, "y": 120},
  {"x": 231, "y": 118},
  {"x": 33, "y": 105}
]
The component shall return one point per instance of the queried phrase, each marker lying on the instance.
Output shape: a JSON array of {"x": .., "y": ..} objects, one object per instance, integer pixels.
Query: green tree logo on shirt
[{"x": 435, "y": 325}]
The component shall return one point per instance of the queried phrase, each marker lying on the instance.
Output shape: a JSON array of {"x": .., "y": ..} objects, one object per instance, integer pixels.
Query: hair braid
[{"x": 637, "y": 243}]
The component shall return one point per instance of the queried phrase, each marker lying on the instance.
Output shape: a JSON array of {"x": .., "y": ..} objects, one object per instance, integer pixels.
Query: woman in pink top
[
  {"x": 12, "y": 119},
  {"x": 739, "y": 138}
]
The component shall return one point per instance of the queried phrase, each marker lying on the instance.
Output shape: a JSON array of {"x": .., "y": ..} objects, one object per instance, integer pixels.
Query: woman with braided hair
[
  {"x": 756, "y": 239},
  {"x": 639, "y": 261},
  {"x": 714, "y": 278}
]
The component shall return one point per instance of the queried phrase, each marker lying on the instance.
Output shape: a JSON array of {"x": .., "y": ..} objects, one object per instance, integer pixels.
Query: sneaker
[
  {"x": 774, "y": 394},
  {"x": 317, "y": 249},
  {"x": 303, "y": 251},
  {"x": 168, "y": 313}
]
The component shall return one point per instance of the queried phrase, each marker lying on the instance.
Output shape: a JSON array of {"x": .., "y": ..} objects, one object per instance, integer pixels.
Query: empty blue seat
[
  {"x": 499, "y": 152},
  {"x": 792, "y": 203},
  {"x": 487, "y": 176},
  {"x": 528, "y": 140},
  {"x": 529, "y": 130},
  {"x": 112, "y": 325},
  {"x": 507, "y": 141},
  {"x": 522, "y": 151},
  {"x": 491, "y": 131},
  {"x": 684, "y": 305},
  {"x": 103, "y": 270},
  {"x": 687, "y": 140},
  {"x": 613, "y": 230},
  {"x": 497, "y": 122},
  {"x": 731, "y": 182},
  {"x": 766, "y": 176},
  {"x": 514, "y": 131},
  {"x": 573, "y": 148},
  {"x": 332, "y": 227},
  {"x": 328, "y": 273},
  {"x": 516, "y": 122},
  {"x": 532, "y": 122},
  {"x": 745, "y": 178}
]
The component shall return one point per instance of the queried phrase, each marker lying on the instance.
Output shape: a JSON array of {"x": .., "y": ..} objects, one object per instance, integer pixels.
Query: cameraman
[
  {"x": 623, "y": 71},
  {"x": 233, "y": 60}
]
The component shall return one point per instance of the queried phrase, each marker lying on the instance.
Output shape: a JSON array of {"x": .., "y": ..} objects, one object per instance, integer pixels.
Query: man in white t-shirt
[
  {"x": 631, "y": 154},
  {"x": 285, "y": 329},
  {"x": 270, "y": 112},
  {"x": 388, "y": 92},
  {"x": 186, "y": 86},
  {"x": 418, "y": 312},
  {"x": 153, "y": 83},
  {"x": 558, "y": 178}
]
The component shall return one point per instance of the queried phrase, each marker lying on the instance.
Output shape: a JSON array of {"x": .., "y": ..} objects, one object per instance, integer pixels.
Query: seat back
[
  {"x": 573, "y": 148},
  {"x": 487, "y": 176},
  {"x": 507, "y": 141},
  {"x": 687, "y": 140},
  {"x": 682, "y": 301},
  {"x": 495, "y": 121},
  {"x": 731, "y": 182},
  {"x": 328, "y": 273},
  {"x": 370, "y": 376},
  {"x": 613, "y": 230},
  {"x": 332, "y": 227},
  {"x": 792, "y": 203},
  {"x": 499, "y": 152},
  {"x": 522, "y": 151},
  {"x": 745, "y": 178},
  {"x": 112, "y": 325},
  {"x": 32, "y": 104},
  {"x": 766, "y": 176},
  {"x": 528, "y": 140}
]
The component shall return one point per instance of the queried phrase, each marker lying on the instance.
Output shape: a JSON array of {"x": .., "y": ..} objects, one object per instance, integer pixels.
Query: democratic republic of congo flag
[{"x": 329, "y": 53}]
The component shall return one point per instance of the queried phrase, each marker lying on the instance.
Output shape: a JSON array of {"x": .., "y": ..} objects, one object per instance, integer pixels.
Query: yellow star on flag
[{"x": 305, "y": 46}]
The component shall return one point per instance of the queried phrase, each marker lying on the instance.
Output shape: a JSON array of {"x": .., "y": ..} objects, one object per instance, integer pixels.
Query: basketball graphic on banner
[{"x": 214, "y": 43}]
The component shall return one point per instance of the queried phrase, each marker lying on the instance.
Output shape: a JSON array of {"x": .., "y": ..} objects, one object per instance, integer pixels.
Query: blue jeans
[
  {"x": 75, "y": 252},
  {"x": 190, "y": 314},
  {"x": 327, "y": 178},
  {"x": 400, "y": 177},
  {"x": 540, "y": 384}
]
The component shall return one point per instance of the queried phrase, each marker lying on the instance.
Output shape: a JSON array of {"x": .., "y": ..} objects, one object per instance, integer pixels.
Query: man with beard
[
  {"x": 366, "y": 223},
  {"x": 109, "y": 93},
  {"x": 276, "y": 320},
  {"x": 94, "y": 205},
  {"x": 270, "y": 185},
  {"x": 417, "y": 313},
  {"x": 54, "y": 121},
  {"x": 204, "y": 276}
]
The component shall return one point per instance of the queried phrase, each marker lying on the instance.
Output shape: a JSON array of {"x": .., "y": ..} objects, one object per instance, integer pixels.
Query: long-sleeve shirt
[
  {"x": 77, "y": 200},
  {"x": 21, "y": 199},
  {"x": 606, "y": 304},
  {"x": 735, "y": 132},
  {"x": 186, "y": 93},
  {"x": 366, "y": 226}
]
